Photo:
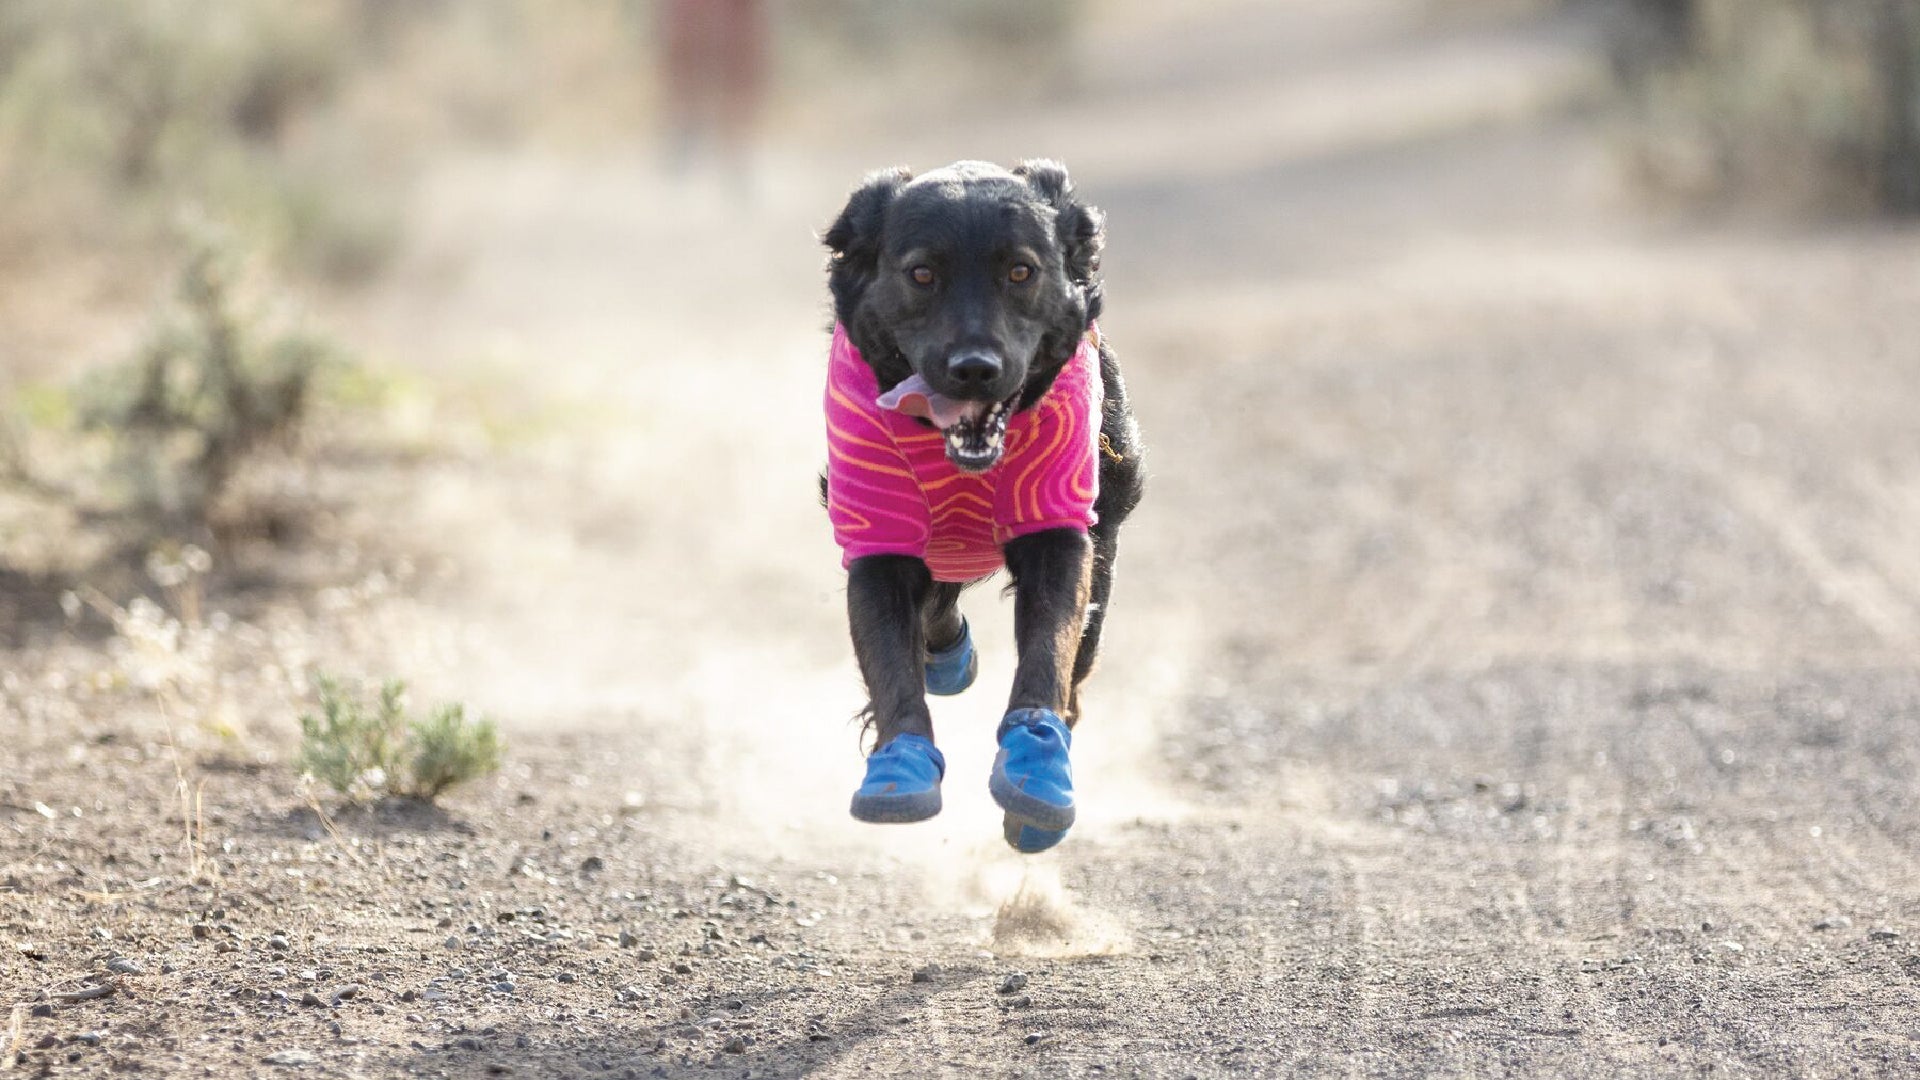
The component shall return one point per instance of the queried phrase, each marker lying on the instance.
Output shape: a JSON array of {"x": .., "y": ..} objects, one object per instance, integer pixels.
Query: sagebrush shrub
[
  {"x": 367, "y": 750},
  {"x": 449, "y": 749},
  {"x": 210, "y": 388}
]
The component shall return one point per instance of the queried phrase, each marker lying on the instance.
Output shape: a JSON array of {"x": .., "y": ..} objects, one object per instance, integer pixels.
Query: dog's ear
[
  {"x": 854, "y": 239},
  {"x": 1082, "y": 229}
]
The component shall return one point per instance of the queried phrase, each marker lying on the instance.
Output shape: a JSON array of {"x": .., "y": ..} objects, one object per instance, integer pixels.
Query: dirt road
[{"x": 1513, "y": 669}]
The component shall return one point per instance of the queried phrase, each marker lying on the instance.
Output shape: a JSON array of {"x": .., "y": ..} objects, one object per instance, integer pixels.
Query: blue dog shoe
[
  {"x": 1026, "y": 839},
  {"x": 1032, "y": 778},
  {"x": 903, "y": 781},
  {"x": 952, "y": 669}
]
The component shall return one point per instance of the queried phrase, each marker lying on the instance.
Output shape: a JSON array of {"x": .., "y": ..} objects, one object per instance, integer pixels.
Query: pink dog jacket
[{"x": 892, "y": 491}]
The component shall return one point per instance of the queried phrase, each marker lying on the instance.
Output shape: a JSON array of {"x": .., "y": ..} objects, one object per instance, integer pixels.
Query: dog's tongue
[{"x": 914, "y": 397}]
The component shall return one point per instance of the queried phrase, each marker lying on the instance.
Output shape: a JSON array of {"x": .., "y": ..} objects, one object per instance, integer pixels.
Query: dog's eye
[
  {"x": 1020, "y": 273},
  {"x": 921, "y": 275}
]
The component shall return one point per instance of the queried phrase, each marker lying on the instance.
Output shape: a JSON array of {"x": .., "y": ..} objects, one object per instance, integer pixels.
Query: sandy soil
[{"x": 1512, "y": 673}]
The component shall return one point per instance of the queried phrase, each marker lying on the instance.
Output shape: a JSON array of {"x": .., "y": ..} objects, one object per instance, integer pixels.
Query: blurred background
[
  {"x": 1531, "y": 389},
  {"x": 476, "y": 229}
]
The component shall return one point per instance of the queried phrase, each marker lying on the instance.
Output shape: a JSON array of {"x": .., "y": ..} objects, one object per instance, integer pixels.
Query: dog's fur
[{"x": 970, "y": 223}]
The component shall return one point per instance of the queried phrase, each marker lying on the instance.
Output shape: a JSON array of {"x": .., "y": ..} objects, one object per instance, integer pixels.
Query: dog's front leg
[
  {"x": 1051, "y": 571},
  {"x": 884, "y": 596},
  {"x": 1032, "y": 779}
]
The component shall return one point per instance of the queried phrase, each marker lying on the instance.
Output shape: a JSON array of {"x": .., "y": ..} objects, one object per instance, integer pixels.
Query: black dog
[{"x": 978, "y": 285}]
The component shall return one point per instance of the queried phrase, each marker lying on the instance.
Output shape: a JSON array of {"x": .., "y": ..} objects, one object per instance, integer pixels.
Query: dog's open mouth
[{"x": 975, "y": 431}]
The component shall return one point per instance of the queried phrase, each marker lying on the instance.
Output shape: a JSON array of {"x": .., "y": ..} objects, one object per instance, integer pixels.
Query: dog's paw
[
  {"x": 902, "y": 782},
  {"x": 1032, "y": 776}
]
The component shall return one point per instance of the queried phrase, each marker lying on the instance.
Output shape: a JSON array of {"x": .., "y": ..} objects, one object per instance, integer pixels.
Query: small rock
[
  {"x": 1883, "y": 933},
  {"x": 466, "y": 1042},
  {"x": 280, "y": 996},
  {"x": 1022, "y": 1002},
  {"x": 88, "y": 1038},
  {"x": 926, "y": 974},
  {"x": 453, "y": 941},
  {"x": 202, "y": 930},
  {"x": 347, "y": 992},
  {"x": 43, "y": 1010},
  {"x": 293, "y": 1059},
  {"x": 818, "y": 1036},
  {"x": 1833, "y": 922},
  {"x": 498, "y": 1068},
  {"x": 735, "y": 1045},
  {"x": 503, "y": 987},
  {"x": 521, "y": 1042},
  {"x": 1038, "y": 1037},
  {"x": 279, "y": 943},
  {"x": 592, "y": 863},
  {"x": 1014, "y": 982},
  {"x": 627, "y": 940},
  {"x": 645, "y": 955},
  {"x": 278, "y": 971},
  {"x": 46, "y": 1042},
  {"x": 123, "y": 966},
  {"x": 1733, "y": 946},
  {"x": 682, "y": 968},
  {"x": 408, "y": 995},
  {"x": 565, "y": 976},
  {"x": 311, "y": 998}
]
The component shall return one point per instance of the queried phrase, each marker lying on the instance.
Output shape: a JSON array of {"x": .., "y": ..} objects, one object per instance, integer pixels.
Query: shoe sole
[
  {"x": 1028, "y": 809},
  {"x": 1026, "y": 839},
  {"x": 896, "y": 809}
]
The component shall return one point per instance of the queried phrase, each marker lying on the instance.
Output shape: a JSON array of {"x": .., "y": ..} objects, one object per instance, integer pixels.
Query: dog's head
[{"x": 978, "y": 281}]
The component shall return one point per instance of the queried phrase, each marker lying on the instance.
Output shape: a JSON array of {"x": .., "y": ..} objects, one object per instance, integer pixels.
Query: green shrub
[
  {"x": 213, "y": 385},
  {"x": 353, "y": 749},
  {"x": 367, "y": 750},
  {"x": 449, "y": 749}
]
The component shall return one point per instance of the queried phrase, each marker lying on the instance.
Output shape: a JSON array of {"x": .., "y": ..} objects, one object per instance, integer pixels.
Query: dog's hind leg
[
  {"x": 1106, "y": 545},
  {"x": 940, "y": 619},
  {"x": 952, "y": 663}
]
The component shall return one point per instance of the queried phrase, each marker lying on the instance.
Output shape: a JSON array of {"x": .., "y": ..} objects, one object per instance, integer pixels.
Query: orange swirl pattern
[{"x": 892, "y": 491}]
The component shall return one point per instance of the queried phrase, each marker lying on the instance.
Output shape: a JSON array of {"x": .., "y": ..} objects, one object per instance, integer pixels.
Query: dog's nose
[{"x": 974, "y": 368}]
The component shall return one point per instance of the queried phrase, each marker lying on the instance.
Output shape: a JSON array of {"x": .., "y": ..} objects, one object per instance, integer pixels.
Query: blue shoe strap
[
  {"x": 1036, "y": 720},
  {"x": 901, "y": 746}
]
